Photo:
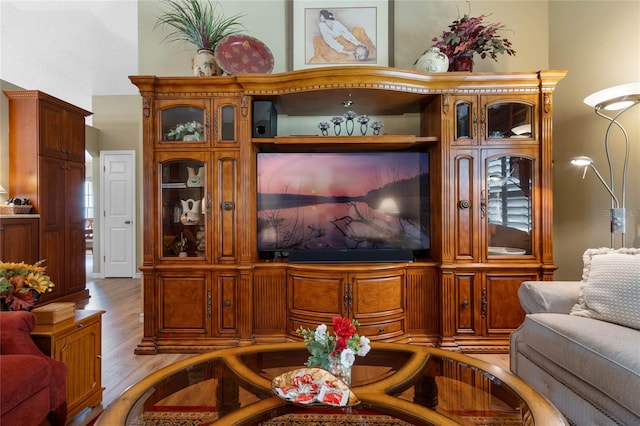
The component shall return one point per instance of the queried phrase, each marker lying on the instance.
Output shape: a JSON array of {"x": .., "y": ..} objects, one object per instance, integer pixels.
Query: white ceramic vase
[
  {"x": 433, "y": 60},
  {"x": 190, "y": 212}
]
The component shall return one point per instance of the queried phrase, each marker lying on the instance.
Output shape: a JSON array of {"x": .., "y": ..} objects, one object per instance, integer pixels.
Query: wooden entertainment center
[{"x": 489, "y": 141}]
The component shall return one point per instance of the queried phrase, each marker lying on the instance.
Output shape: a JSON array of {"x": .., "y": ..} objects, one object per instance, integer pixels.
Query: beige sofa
[{"x": 589, "y": 367}]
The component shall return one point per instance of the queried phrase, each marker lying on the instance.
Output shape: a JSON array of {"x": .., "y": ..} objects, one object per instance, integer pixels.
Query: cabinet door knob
[
  {"x": 465, "y": 303},
  {"x": 227, "y": 303},
  {"x": 464, "y": 204},
  {"x": 227, "y": 205},
  {"x": 381, "y": 330}
]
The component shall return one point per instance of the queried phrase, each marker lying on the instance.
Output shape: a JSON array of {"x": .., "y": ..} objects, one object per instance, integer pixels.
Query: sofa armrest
[
  {"x": 15, "y": 337},
  {"x": 549, "y": 296}
]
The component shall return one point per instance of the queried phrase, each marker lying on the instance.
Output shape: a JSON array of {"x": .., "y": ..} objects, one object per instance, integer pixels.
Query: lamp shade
[
  {"x": 581, "y": 161},
  {"x": 616, "y": 97}
]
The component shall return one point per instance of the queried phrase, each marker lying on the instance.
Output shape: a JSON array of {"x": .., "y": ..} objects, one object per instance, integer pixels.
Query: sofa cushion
[
  {"x": 21, "y": 378},
  {"x": 611, "y": 286},
  {"x": 602, "y": 354}
]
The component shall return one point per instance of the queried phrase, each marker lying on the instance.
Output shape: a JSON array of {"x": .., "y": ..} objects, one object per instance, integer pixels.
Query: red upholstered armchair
[{"x": 33, "y": 387}]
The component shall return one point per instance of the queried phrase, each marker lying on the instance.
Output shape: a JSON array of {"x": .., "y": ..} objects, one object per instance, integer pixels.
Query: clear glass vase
[{"x": 340, "y": 371}]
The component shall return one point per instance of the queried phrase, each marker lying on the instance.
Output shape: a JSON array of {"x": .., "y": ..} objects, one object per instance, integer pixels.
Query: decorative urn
[{"x": 432, "y": 60}]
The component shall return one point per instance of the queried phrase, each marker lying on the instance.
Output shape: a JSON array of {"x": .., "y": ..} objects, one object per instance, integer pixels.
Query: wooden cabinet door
[
  {"x": 183, "y": 207},
  {"x": 75, "y": 248},
  {"x": 50, "y": 121},
  {"x": 508, "y": 119},
  {"x": 73, "y": 136},
  {"x": 185, "y": 303},
  {"x": 53, "y": 197},
  {"x": 175, "y": 121},
  {"x": 465, "y": 124},
  {"x": 314, "y": 297},
  {"x": 466, "y": 203},
  {"x": 226, "y": 123},
  {"x": 81, "y": 351},
  {"x": 377, "y": 300},
  {"x": 465, "y": 303},
  {"x": 225, "y": 205},
  {"x": 19, "y": 239},
  {"x": 376, "y": 294},
  {"x": 225, "y": 302},
  {"x": 509, "y": 228},
  {"x": 500, "y": 308}
]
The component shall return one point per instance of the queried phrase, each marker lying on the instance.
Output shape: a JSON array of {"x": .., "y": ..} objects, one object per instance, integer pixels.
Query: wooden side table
[{"x": 78, "y": 343}]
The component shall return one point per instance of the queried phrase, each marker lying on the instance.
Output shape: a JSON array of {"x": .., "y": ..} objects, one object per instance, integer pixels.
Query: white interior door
[{"x": 118, "y": 212}]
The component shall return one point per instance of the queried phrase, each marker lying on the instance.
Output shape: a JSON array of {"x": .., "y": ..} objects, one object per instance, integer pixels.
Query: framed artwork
[{"x": 339, "y": 32}]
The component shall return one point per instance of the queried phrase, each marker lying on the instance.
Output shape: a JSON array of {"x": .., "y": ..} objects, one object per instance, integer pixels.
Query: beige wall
[{"x": 597, "y": 41}]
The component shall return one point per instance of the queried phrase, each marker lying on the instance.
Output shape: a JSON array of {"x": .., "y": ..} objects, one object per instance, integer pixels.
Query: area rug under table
[
  {"x": 177, "y": 416},
  {"x": 334, "y": 419},
  {"x": 206, "y": 416},
  {"x": 359, "y": 419}
]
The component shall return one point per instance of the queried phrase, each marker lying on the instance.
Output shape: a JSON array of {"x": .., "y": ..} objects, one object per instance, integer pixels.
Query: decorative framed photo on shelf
[{"x": 339, "y": 32}]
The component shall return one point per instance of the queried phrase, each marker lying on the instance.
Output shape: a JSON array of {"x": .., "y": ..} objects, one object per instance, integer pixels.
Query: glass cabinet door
[
  {"x": 225, "y": 122},
  {"x": 184, "y": 124},
  {"x": 465, "y": 120},
  {"x": 184, "y": 208},
  {"x": 509, "y": 120},
  {"x": 509, "y": 204}
]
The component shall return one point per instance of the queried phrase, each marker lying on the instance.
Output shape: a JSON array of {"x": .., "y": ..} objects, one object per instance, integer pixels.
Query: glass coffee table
[{"x": 396, "y": 384}]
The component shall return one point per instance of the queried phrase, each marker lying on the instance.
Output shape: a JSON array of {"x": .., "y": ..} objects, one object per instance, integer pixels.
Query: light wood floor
[{"x": 122, "y": 331}]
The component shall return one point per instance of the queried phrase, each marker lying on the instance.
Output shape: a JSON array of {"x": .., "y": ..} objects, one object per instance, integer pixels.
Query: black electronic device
[{"x": 265, "y": 120}]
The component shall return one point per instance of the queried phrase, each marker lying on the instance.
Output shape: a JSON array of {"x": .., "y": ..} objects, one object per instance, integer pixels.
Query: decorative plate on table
[
  {"x": 313, "y": 386},
  {"x": 506, "y": 250},
  {"x": 242, "y": 54}
]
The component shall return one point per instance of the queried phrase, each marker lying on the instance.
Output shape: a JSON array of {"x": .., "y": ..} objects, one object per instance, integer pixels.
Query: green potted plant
[
  {"x": 201, "y": 23},
  {"x": 468, "y": 36}
]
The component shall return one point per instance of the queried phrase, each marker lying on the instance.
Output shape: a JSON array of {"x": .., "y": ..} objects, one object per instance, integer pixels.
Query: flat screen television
[{"x": 343, "y": 206}]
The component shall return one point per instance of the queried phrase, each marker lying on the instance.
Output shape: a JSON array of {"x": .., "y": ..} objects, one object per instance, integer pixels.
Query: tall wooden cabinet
[
  {"x": 47, "y": 150},
  {"x": 488, "y": 137}
]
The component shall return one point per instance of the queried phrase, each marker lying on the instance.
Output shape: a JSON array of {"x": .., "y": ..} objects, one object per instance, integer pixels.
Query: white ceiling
[{"x": 71, "y": 49}]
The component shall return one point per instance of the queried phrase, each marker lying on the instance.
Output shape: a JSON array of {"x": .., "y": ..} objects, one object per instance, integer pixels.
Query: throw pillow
[{"x": 611, "y": 286}]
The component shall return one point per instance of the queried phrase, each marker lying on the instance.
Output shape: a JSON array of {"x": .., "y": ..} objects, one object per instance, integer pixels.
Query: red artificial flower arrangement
[{"x": 469, "y": 35}]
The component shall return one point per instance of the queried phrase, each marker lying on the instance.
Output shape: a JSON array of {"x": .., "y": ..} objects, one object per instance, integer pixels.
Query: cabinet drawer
[{"x": 383, "y": 330}]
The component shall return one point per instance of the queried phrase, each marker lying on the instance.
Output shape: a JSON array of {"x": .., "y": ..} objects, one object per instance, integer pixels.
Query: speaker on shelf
[{"x": 265, "y": 119}]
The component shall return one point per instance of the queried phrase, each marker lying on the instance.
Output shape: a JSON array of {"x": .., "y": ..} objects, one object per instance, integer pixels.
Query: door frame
[{"x": 103, "y": 207}]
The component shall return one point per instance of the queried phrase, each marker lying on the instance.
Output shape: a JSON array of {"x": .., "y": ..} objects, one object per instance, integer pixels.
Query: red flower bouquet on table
[{"x": 338, "y": 350}]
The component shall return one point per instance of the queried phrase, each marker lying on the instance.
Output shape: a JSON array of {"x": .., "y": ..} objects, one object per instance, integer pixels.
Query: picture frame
[{"x": 324, "y": 33}]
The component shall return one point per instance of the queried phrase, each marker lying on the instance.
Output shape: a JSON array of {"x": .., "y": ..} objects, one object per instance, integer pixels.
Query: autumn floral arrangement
[
  {"x": 342, "y": 346},
  {"x": 21, "y": 284},
  {"x": 469, "y": 35}
]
